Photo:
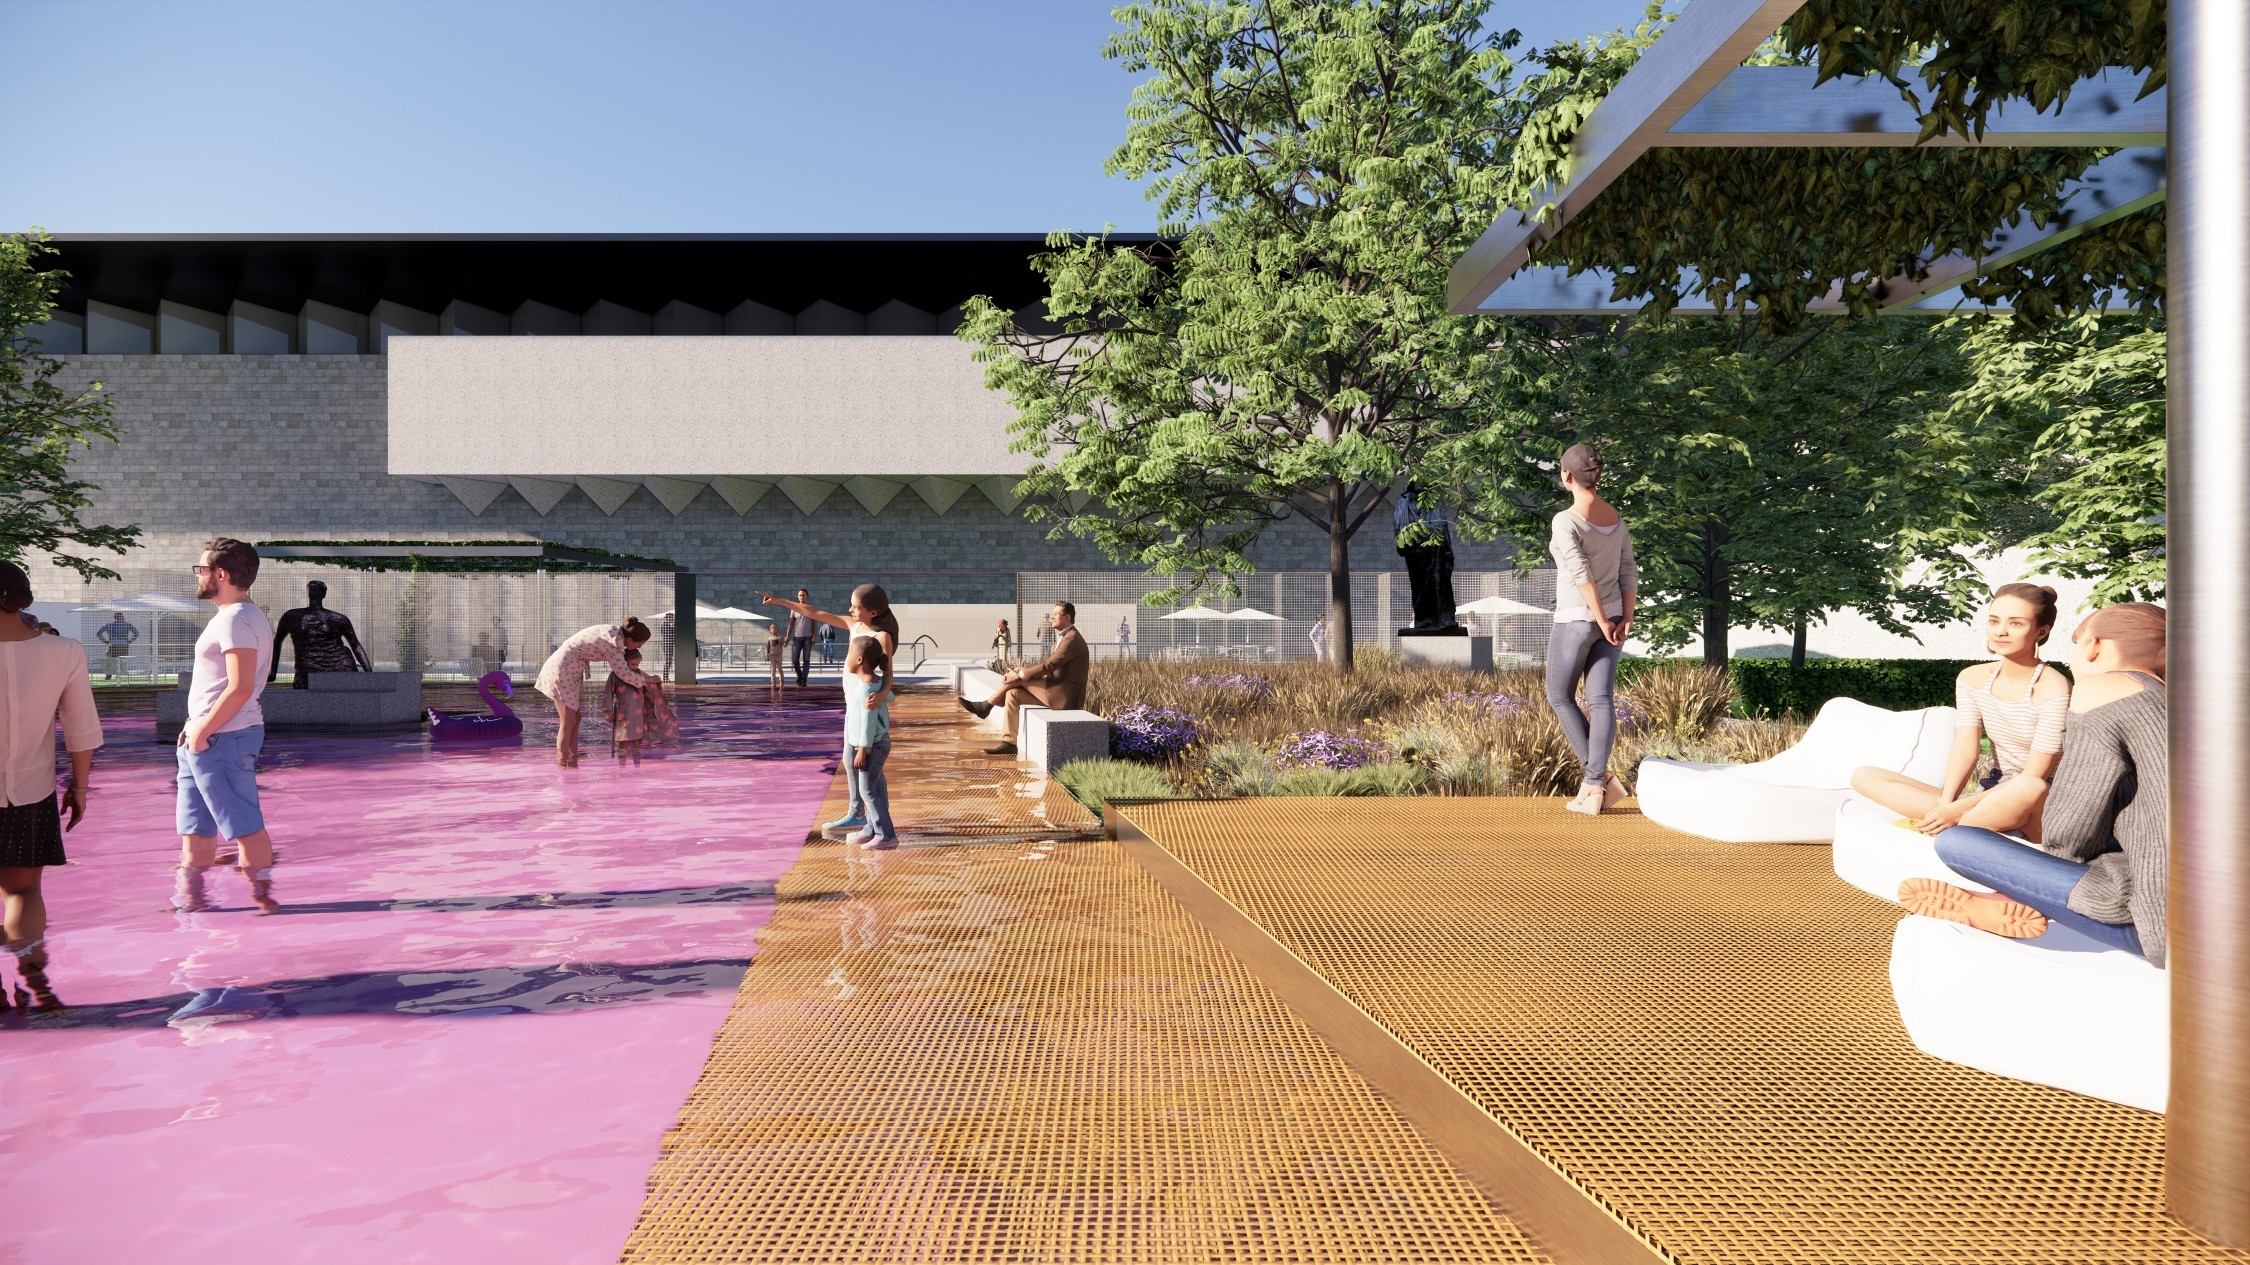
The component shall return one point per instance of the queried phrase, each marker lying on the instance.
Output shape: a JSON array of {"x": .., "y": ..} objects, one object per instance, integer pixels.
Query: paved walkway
[{"x": 493, "y": 985}]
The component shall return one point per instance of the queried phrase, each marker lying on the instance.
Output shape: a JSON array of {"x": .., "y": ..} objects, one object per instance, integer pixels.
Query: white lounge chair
[
  {"x": 2062, "y": 1010},
  {"x": 1793, "y": 797},
  {"x": 1875, "y": 854}
]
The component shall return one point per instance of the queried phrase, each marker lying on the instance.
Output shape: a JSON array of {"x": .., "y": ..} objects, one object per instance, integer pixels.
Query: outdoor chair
[
  {"x": 1793, "y": 797},
  {"x": 2062, "y": 1010}
]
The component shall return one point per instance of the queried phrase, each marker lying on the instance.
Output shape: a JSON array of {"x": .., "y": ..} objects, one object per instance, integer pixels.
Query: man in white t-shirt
[{"x": 218, "y": 750}]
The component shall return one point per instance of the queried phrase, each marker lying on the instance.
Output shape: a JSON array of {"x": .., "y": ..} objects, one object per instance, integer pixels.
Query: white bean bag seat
[
  {"x": 2063, "y": 1010},
  {"x": 1875, "y": 854},
  {"x": 1793, "y": 797}
]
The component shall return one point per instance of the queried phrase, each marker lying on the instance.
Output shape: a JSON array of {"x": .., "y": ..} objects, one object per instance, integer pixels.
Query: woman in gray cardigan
[
  {"x": 1596, "y": 585},
  {"x": 2099, "y": 867}
]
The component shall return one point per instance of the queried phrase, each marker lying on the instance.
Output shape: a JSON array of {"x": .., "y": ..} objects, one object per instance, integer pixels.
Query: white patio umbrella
[
  {"x": 1499, "y": 606},
  {"x": 1252, "y": 615},
  {"x": 149, "y": 604},
  {"x": 1197, "y": 615}
]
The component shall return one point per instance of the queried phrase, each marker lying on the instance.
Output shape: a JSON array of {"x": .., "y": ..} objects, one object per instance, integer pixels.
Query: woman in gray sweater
[
  {"x": 2099, "y": 867},
  {"x": 1596, "y": 585}
]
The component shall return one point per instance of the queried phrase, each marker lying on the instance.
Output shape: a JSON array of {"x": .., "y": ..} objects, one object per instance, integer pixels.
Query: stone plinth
[
  {"x": 1462, "y": 654},
  {"x": 334, "y": 700},
  {"x": 1052, "y": 739}
]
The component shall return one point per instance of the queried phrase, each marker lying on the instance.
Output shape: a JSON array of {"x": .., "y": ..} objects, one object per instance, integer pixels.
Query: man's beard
[{"x": 207, "y": 587}]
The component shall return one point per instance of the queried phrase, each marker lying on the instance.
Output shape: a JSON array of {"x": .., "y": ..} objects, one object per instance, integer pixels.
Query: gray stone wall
[{"x": 265, "y": 447}]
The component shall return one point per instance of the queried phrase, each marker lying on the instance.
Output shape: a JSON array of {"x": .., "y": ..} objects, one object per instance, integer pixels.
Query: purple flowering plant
[
  {"x": 1320, "y": 749},
  {"x": 1148, "y": 732}
]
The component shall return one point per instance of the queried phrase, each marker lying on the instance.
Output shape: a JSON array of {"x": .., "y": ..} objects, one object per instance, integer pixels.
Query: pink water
[{"x": 493, "y": 986}]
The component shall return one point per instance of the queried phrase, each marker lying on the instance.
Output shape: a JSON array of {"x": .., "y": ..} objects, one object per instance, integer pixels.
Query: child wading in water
[
  {"x": 773, "y": 658},
  {"x": 639, "y": 715},
  {"x": 867, "y": 738}
]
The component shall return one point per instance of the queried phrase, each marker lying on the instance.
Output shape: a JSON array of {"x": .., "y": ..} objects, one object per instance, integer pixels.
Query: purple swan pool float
[{"x": 502, "y": 723}]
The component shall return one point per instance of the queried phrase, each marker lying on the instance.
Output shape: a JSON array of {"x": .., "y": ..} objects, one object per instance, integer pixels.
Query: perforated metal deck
[
  {"x": 1030, "y": 1053},
  {"x": 1699, "y": 1034}
]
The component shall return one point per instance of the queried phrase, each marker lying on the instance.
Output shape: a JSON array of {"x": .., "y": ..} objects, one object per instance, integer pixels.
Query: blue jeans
[
  {"x": 219, "y": 786},
  {"x": 2024, "y": 873},
  {"x": 1574, "y": 649},
  {"x": 868, "y": 791}
]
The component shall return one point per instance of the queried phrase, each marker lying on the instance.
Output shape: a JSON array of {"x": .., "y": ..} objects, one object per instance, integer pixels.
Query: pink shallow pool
[{"x": 493, "y": 986}]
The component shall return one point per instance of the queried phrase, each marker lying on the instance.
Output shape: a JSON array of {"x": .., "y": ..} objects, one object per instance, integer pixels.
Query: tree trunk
[
  {"x": 1339, "y": 580},
  {"x": 1797, "y": 643},
  {"x": 1718, "y": 599}
]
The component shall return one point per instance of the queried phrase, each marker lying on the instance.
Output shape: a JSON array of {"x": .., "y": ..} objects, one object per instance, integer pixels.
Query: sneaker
[
  {"x": 879, "y": 845},
  {"x": 853, "y": 822}
]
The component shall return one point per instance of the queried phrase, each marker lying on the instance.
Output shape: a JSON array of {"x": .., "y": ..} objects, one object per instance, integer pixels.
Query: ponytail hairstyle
[
  {"x": 2135, "y": 628},
  {"x": 2042, "y": 599},
  {"x": 633, "y": 630},
  {"x": 877, "y": 604}
]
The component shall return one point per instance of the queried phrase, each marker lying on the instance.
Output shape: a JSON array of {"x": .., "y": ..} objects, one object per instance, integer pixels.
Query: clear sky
[{"x": 220, "y": 116}]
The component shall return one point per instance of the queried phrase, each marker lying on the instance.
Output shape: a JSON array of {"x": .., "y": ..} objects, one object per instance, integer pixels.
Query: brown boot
[
  {"x": 189, "y": 894},
  {"x": 2000, "y": 916},
  {"x": 261, "y": 888}
]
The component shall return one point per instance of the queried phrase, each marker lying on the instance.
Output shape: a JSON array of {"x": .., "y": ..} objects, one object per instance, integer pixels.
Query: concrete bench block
[{"x": 1052, "y": 738}]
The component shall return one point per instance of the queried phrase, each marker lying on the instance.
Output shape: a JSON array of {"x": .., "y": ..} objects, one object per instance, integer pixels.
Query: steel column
[
  {"x": 683, "y": 628},
  {"x": 2207, "y": 1129}
]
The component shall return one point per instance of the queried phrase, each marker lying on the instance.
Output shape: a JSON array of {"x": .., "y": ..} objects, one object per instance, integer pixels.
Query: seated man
[{"x": 1057, "y": 681}]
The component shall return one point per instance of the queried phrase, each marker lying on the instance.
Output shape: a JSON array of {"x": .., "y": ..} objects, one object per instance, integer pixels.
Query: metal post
[
  {"x": 2207, "y": 1128},
  {"x": 683, "y": 628}
]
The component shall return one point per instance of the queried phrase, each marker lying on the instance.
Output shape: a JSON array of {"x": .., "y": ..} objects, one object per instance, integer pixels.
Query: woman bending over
[
  {"x": 2017, "y": 703},
  {"x": 2100, "y": 866}
]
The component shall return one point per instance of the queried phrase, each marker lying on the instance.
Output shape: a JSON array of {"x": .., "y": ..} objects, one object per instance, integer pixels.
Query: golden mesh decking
[
  {"x": 944, "y": 787},
  {"x": 1701, "y": 1034},
  {"x": 1028, "y": 1052}
]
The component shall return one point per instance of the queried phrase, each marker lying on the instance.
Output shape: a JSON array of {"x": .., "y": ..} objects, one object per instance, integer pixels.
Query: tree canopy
[
  {"x": 1286, "y": 353},
  {"x": 41, "y": 424}
]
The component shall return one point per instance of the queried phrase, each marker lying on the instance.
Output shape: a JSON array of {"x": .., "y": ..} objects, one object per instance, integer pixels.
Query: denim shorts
[{"x": 219, "y": 785}]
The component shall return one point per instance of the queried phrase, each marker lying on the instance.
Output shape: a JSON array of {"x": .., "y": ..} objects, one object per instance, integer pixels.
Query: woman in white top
[
  {"x": 40, "y": 677},
  {"x": 1596, "y": 586},
  {"x": 563, "y": 677},
  {"x": 2018, "y": 704}
]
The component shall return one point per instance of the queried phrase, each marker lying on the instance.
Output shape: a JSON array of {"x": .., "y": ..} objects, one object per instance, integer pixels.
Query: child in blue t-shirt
[{"x": 867, "y": 738}]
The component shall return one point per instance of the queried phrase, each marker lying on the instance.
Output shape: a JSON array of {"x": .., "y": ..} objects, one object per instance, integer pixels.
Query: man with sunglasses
[{"x": 218, "y": 749}]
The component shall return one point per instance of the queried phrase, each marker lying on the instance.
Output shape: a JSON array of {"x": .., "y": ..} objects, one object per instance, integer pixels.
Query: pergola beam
[
  {"x": 1706, "y": 42},
  {"x": 1785, "y": 107}
]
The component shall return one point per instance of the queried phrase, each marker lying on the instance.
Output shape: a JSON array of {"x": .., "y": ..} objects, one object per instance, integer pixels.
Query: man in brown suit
[{"x": 1057, "y": 681}]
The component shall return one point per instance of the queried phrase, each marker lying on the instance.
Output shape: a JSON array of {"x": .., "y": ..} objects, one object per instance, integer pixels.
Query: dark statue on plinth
[
  {"x": 323, "y": 639},
  {"x": 1425, "y": 540}
]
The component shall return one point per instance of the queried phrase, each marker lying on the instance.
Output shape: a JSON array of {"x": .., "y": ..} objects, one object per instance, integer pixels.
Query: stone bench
[
  {"x": 1052, "y": 739},
  {"x": 333, "y": 700},
  {"x": 977, "y": 685}
]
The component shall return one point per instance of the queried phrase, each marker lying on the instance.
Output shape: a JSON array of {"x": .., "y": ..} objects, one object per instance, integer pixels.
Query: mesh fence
[
  {"x": 445, "y": 624},
  {"x": 1118, "y": 624}
]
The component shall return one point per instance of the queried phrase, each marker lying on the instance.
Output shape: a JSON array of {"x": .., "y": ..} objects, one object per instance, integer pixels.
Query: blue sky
[{"x": 516, "y": 116}]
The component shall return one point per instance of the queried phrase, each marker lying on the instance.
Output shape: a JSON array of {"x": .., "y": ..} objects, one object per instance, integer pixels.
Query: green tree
[
  {"x": 1767, "y": 484},
  {"x": 2079, "y": 415},
  {"x": 41, "y": 424},
  {"x": 1286, "y": 352}
]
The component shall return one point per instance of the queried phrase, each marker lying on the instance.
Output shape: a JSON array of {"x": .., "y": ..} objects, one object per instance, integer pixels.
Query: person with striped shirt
[{"x": 2017, "y": 703}]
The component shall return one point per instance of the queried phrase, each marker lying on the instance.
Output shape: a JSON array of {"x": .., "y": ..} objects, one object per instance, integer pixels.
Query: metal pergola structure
[{"x": 2188, "y": 146}]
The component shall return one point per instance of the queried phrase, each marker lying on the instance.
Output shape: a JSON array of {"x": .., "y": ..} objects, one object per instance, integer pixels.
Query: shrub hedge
[{"x": 1770, "y": 687}]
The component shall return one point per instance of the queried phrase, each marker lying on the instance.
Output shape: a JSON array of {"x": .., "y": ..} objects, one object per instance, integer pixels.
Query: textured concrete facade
[{"x": 266, "y": 447}]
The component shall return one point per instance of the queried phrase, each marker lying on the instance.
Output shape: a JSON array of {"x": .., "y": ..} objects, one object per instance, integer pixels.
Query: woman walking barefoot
[
  {"x": 1596, "y": 586},
  {"x": 563, "y": 677},
  {"x": 40, "y": 677},
  {"x": 2017, "y": 704}
]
